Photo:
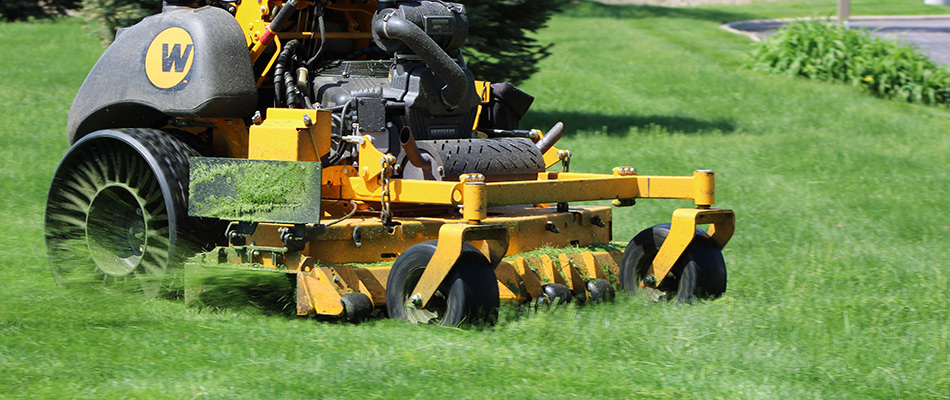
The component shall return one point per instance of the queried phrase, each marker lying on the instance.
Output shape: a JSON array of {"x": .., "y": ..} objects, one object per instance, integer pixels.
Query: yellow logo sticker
[{"x": 169, "y": 58}]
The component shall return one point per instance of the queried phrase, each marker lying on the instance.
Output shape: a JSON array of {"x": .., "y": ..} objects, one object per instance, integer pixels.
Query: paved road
[{"x": 930, "y": 33}]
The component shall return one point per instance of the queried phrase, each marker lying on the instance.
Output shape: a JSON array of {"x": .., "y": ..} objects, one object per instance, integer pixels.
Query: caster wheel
[
  {"x": 700, "y": 273},
  {"x": 469, "y": 294}
]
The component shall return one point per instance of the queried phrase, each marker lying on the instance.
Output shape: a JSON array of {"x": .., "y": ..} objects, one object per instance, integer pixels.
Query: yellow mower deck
[{"x": 501, "y": 231}]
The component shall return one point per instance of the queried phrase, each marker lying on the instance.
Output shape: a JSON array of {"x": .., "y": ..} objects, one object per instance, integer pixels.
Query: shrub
[
  {"x": 820, "y": 50},
  {"x": 105, "y": 17},
  {"x": 18, "y": 10}
]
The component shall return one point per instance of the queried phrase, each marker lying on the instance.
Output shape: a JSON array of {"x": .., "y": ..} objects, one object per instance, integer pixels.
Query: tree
[{"x": 499, "y": 48}]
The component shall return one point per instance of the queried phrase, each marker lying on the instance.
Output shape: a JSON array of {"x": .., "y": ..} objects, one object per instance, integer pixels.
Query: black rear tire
[
  {"x": 469, "y": 293},
  {"x": 699, "y": 273},
  {"x": 116, "y": 212}
]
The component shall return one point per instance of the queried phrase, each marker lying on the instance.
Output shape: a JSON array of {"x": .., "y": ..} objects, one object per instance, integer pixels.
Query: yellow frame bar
[{"x": 551, "y": 187}]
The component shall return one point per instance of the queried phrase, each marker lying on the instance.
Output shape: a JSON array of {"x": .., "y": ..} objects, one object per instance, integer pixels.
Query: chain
[{"x": 386, "y": 214}]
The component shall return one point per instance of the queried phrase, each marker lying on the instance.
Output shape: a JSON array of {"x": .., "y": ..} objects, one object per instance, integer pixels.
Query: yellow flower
[{"x": 868, "y": 79}]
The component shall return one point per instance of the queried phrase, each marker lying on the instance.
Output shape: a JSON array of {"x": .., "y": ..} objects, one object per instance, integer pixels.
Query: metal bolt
[
  {"x": 649, "y": 280},
  {"x": 307, "y": 121},
  {"x": 472, "y": 178},
  {"x": 596, "y": 220},
  {"x": 416, "y": 300}
]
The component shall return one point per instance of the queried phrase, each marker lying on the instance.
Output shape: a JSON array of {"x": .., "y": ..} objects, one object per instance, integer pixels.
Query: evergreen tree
[{"x": 499, "y": 48}]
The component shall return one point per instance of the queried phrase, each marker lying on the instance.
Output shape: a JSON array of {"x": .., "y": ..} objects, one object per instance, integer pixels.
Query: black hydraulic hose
[
  {"x": 280, "y": 69},
  {"x": 323, "y": 38},
  {"x": 456, "y": 83}
]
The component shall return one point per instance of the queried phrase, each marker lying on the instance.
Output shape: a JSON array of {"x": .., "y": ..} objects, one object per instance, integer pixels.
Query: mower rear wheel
[
  {"x": 699, "y": 273},
  {"x": 116, "y": 211},
  {"x": 468, "y": 294}
]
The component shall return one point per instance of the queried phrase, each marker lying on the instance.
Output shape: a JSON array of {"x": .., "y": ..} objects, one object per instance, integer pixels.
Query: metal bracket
[
  {"x": 297, "y": 236},
  {"x": 682, "y": 230},
  {"x": 237, "y": 232},
  {"x": 452, "y": 238}
]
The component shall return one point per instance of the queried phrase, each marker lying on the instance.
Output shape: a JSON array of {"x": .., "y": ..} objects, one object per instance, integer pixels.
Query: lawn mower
[{"x": 344, "y": 144}]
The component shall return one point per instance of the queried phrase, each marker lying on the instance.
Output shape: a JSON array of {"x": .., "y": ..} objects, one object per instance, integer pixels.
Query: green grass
[{"x": 839, "y": 285}]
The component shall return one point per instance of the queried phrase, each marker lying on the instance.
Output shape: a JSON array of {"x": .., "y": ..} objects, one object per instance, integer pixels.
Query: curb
[{"x": 771, "y": 24}]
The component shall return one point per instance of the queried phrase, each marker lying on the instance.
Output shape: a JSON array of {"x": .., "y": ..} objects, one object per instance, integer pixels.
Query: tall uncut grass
[{"x": 819, "y": 49}]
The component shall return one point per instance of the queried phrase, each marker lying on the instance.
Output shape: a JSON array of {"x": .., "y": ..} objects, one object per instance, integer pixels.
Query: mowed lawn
[{"x": 839, "y": 279}]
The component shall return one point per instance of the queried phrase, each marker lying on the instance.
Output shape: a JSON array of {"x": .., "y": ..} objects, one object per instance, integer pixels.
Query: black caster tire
[
  {"x": 700, "y": 273},
  {"x": 469, "y": 293}
]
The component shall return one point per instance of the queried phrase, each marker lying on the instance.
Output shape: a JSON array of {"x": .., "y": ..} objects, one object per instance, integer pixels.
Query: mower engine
[{"x": 410, "y": 91}]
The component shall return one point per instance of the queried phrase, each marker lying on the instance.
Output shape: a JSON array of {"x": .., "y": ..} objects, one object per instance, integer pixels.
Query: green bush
[
  {"x": 821, "y": 50},
  {"x": 104, "y": 17},
  {"x": 18, "y": 10}
]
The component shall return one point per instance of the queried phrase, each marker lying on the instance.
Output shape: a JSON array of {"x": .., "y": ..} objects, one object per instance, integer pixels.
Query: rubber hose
[{"x": 456, "y": 82}]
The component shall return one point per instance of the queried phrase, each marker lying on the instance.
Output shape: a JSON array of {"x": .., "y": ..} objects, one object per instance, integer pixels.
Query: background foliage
[
  {"x": 500, "y": 46},
  {"x": 104, "y": 17},
  {"x": 821, "y": 50},
  {"x": 17, "y": 10}
]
